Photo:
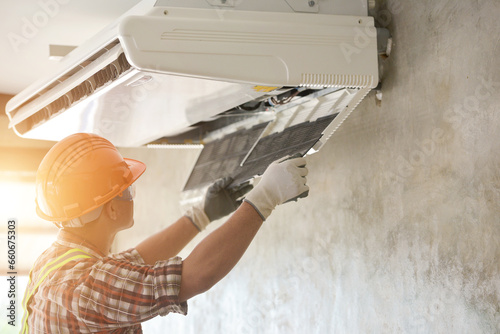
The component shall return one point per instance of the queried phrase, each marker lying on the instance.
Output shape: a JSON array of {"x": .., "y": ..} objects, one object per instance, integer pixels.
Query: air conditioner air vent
[
  {"x": 336, "y": 80},
  {"x": 88, "y": 87}
]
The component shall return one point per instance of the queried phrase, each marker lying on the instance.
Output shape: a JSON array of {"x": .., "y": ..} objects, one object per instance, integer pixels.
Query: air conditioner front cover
[{"x": 160, "y": 73}]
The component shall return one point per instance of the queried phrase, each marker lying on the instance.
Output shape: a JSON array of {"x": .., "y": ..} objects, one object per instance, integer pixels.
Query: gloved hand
[
  {"x": 220, "y": 200},
  {"x": 284, "y": 180}
]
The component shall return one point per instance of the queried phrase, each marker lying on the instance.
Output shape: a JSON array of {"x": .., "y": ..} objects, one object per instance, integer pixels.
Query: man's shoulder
[
  {"x": 130, "y": 255},
  {"x": 49, "y": 255}
]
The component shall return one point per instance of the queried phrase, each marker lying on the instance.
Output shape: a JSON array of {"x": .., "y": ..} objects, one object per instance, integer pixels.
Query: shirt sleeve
[{"x": 122, "y": 290}]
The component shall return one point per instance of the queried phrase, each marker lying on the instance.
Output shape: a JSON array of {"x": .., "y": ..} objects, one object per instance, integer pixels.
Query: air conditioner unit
[{"x": 250, "y": 80}]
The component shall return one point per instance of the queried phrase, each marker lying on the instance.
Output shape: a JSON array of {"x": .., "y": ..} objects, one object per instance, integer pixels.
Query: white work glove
[
  {"x": 284, "y": 180},
  {"x": 220, "y": 200}
]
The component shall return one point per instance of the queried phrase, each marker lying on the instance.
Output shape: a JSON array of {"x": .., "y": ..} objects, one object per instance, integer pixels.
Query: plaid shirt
[{"x": 111, "y": 294}]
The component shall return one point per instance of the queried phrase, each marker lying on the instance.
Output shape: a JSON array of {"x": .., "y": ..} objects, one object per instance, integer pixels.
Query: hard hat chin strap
[{"x": 82, "y": 220}]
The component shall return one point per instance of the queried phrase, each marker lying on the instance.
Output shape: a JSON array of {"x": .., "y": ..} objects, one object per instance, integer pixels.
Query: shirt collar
[{"x": 72, "y": 240}]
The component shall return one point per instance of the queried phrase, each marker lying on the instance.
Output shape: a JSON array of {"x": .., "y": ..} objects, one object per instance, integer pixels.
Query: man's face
[
  {"x": 125, "y": 207},
  {"x": 126, "y": 214}
]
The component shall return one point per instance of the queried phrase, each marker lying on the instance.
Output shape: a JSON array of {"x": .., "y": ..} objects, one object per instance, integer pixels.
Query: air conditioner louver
[{"x": 85, "y": 89}]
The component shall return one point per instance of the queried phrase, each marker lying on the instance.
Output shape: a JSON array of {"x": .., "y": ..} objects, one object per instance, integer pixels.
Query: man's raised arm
[{"x": 219, "y": 252}]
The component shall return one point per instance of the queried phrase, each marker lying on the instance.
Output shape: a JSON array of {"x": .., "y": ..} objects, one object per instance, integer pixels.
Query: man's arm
[
  {"x": 219, "y": 202},
  {"x": 219, "y": 252},
  {"x": 168, "y": 242}
]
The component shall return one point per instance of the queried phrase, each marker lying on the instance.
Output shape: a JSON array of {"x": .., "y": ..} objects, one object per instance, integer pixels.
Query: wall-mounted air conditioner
[{"x": 215, "y": 72}]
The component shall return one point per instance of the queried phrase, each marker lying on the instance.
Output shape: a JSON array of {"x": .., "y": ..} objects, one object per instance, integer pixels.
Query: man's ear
[{"x": 111, "y": 210}]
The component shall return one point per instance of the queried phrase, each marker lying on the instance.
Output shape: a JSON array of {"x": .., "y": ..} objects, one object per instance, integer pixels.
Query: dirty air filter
[
  {"x": 220, "y": 158},
  {"x": 295, "y": 139},
  {"x": 224, "y": 157}
]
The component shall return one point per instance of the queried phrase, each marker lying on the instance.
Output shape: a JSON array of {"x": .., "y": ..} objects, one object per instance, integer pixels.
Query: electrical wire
[{"x": 285, "y": 100}]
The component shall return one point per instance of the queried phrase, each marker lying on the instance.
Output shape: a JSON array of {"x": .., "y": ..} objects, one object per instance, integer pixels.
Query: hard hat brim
[{"x": 136, "y": 167}]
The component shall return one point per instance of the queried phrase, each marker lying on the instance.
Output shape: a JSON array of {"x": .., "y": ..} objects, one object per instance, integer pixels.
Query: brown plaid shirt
[{"x": 111, "y": 294}]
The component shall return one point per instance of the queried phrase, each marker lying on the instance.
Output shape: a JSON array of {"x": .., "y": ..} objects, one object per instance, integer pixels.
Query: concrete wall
[{"x": 401, "y": 231}]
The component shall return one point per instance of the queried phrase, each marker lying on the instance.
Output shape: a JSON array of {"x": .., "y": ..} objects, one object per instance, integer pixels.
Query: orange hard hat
[{"x": 79, "y": 174}]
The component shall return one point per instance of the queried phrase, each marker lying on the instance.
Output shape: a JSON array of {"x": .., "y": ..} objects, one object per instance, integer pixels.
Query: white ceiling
[{"x": 28, "y": 27}]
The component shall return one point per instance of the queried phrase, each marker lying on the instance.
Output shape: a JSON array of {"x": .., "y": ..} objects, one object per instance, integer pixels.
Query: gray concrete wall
[{"x": 401, "y": 231}]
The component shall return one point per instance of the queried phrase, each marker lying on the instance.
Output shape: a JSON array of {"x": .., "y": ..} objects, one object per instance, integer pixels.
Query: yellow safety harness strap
[{"x": 71, "y": 255}]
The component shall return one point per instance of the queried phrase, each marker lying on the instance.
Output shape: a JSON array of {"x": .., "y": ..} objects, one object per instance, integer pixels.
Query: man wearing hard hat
[{"x": 86, "y": 187}]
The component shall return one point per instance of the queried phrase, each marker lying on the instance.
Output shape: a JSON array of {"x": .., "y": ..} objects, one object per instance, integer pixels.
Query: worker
[{"x": 86, "y": 187}]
